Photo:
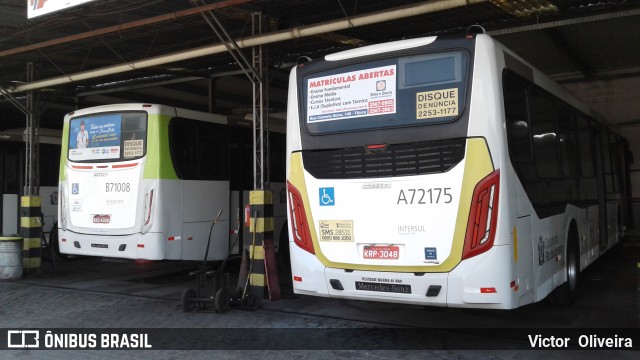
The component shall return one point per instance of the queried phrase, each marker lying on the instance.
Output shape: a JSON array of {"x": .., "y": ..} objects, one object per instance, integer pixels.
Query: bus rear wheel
[
  {"x": 573, "y": 271},
  {"x": 566, "y": 293}
]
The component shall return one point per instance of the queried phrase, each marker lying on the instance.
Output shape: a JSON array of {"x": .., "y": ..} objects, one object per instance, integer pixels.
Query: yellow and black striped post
[
  {"x": 31, "y": 231},
  {"x": 261, "y": 228}
]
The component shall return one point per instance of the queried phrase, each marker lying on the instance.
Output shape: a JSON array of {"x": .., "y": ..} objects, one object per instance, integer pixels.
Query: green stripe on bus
[
  {"x": 63, "y": 151},
  {"x": 158, "y": 164}
]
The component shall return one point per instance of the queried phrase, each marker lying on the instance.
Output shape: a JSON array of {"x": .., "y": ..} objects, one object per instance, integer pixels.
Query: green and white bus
[
  {"x": 145, "y": 181},
  {"x": 446, "y": 171}
]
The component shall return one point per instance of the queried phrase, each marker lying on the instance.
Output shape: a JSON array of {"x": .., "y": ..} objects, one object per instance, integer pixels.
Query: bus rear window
[
  {"x": 108, "y": 137},
  {"x": 406, "y": 91}
]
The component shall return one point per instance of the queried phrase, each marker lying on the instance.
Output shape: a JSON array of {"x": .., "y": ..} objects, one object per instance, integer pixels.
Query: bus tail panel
[
  {"x": 403, "y": 224},
  {"x": 104, "y": 197},
  {"x": 409, "y": 221},
  {"x": 424, "y": 239}
]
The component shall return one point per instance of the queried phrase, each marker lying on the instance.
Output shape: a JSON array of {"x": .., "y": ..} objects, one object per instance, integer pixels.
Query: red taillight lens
[
  {"x": 298, "y": 220},
  {"x": 481, "y": 227}
]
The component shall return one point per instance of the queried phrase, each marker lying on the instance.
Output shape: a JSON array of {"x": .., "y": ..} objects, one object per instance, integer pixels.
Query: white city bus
[
  {"x": 445, "y": 171},
  {"x": 143, "y": 181}
]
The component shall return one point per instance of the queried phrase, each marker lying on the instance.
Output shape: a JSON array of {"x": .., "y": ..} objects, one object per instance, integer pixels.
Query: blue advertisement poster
[{"x": 95, "y": 138}]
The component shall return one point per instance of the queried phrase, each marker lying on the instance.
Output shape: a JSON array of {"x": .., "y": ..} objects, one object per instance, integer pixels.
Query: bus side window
[
  {"x": 182, "y": 144},
  {"x": 518, "y": 129},
  {"x": 585, "y": 141},
  {"x": 567, "y": 141},
  {"x": 606, "y": 156},
  {"x": 198, "y": 149},
  {"x": 212, "y": 152},
  {"x": 545, "y": 135},
  {"x": 515, "y": 107}
]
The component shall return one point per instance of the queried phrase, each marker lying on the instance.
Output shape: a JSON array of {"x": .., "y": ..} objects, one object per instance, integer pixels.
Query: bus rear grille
[{"x": 396, "y": 160}]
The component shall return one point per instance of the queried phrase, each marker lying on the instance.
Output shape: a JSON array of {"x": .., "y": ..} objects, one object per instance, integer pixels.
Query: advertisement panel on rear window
[
  {"x": 412, "y": 90},
  {"x": 95, "y": 138},
  {"x": 353, "y": 94}
]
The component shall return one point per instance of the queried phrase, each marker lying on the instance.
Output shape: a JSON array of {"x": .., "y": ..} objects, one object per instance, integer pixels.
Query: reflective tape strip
[
  {"x": 30, "y": 201},
  {"x": 31, "y": 243},
  {"x": 262, "y": 225},
  {"x": 256, "y": 252},
  {"x": 257, "y": 280},
  {"x": 31, "y": 262},
  {"x": 29, "y": 222},
  {"x": 260, "y": 197}
]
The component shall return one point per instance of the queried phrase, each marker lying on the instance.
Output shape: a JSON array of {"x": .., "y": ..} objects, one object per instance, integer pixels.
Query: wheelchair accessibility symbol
[{"x": 327, "y": 197}]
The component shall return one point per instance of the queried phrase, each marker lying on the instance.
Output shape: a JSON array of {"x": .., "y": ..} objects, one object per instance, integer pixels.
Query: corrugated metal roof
[{"x": 590, "y": 47}]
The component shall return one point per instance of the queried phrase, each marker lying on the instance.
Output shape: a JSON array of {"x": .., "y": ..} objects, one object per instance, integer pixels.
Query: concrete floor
[{"x": 89, "y": 293}]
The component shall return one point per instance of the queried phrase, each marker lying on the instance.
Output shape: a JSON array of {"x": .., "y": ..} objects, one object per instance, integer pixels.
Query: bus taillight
[
  {"x": 298, "y": 220},
  {"x": 481, "y": 226}
]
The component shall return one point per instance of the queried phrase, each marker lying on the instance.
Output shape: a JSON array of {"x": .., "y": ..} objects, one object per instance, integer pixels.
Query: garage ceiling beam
[
  {"x": 127, "y": 26},
  {"x": 136, "y": 86},
  {"x": 272, "y": 37}
]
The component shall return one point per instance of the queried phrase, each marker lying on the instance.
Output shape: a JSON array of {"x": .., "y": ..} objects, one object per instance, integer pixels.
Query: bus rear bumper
[
  {"x": 134, "y": 246},
  {"x": 479, "y": 282}
]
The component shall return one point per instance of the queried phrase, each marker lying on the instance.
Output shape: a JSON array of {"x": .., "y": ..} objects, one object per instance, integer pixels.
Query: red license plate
[{"x": 381, "y": 252}]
